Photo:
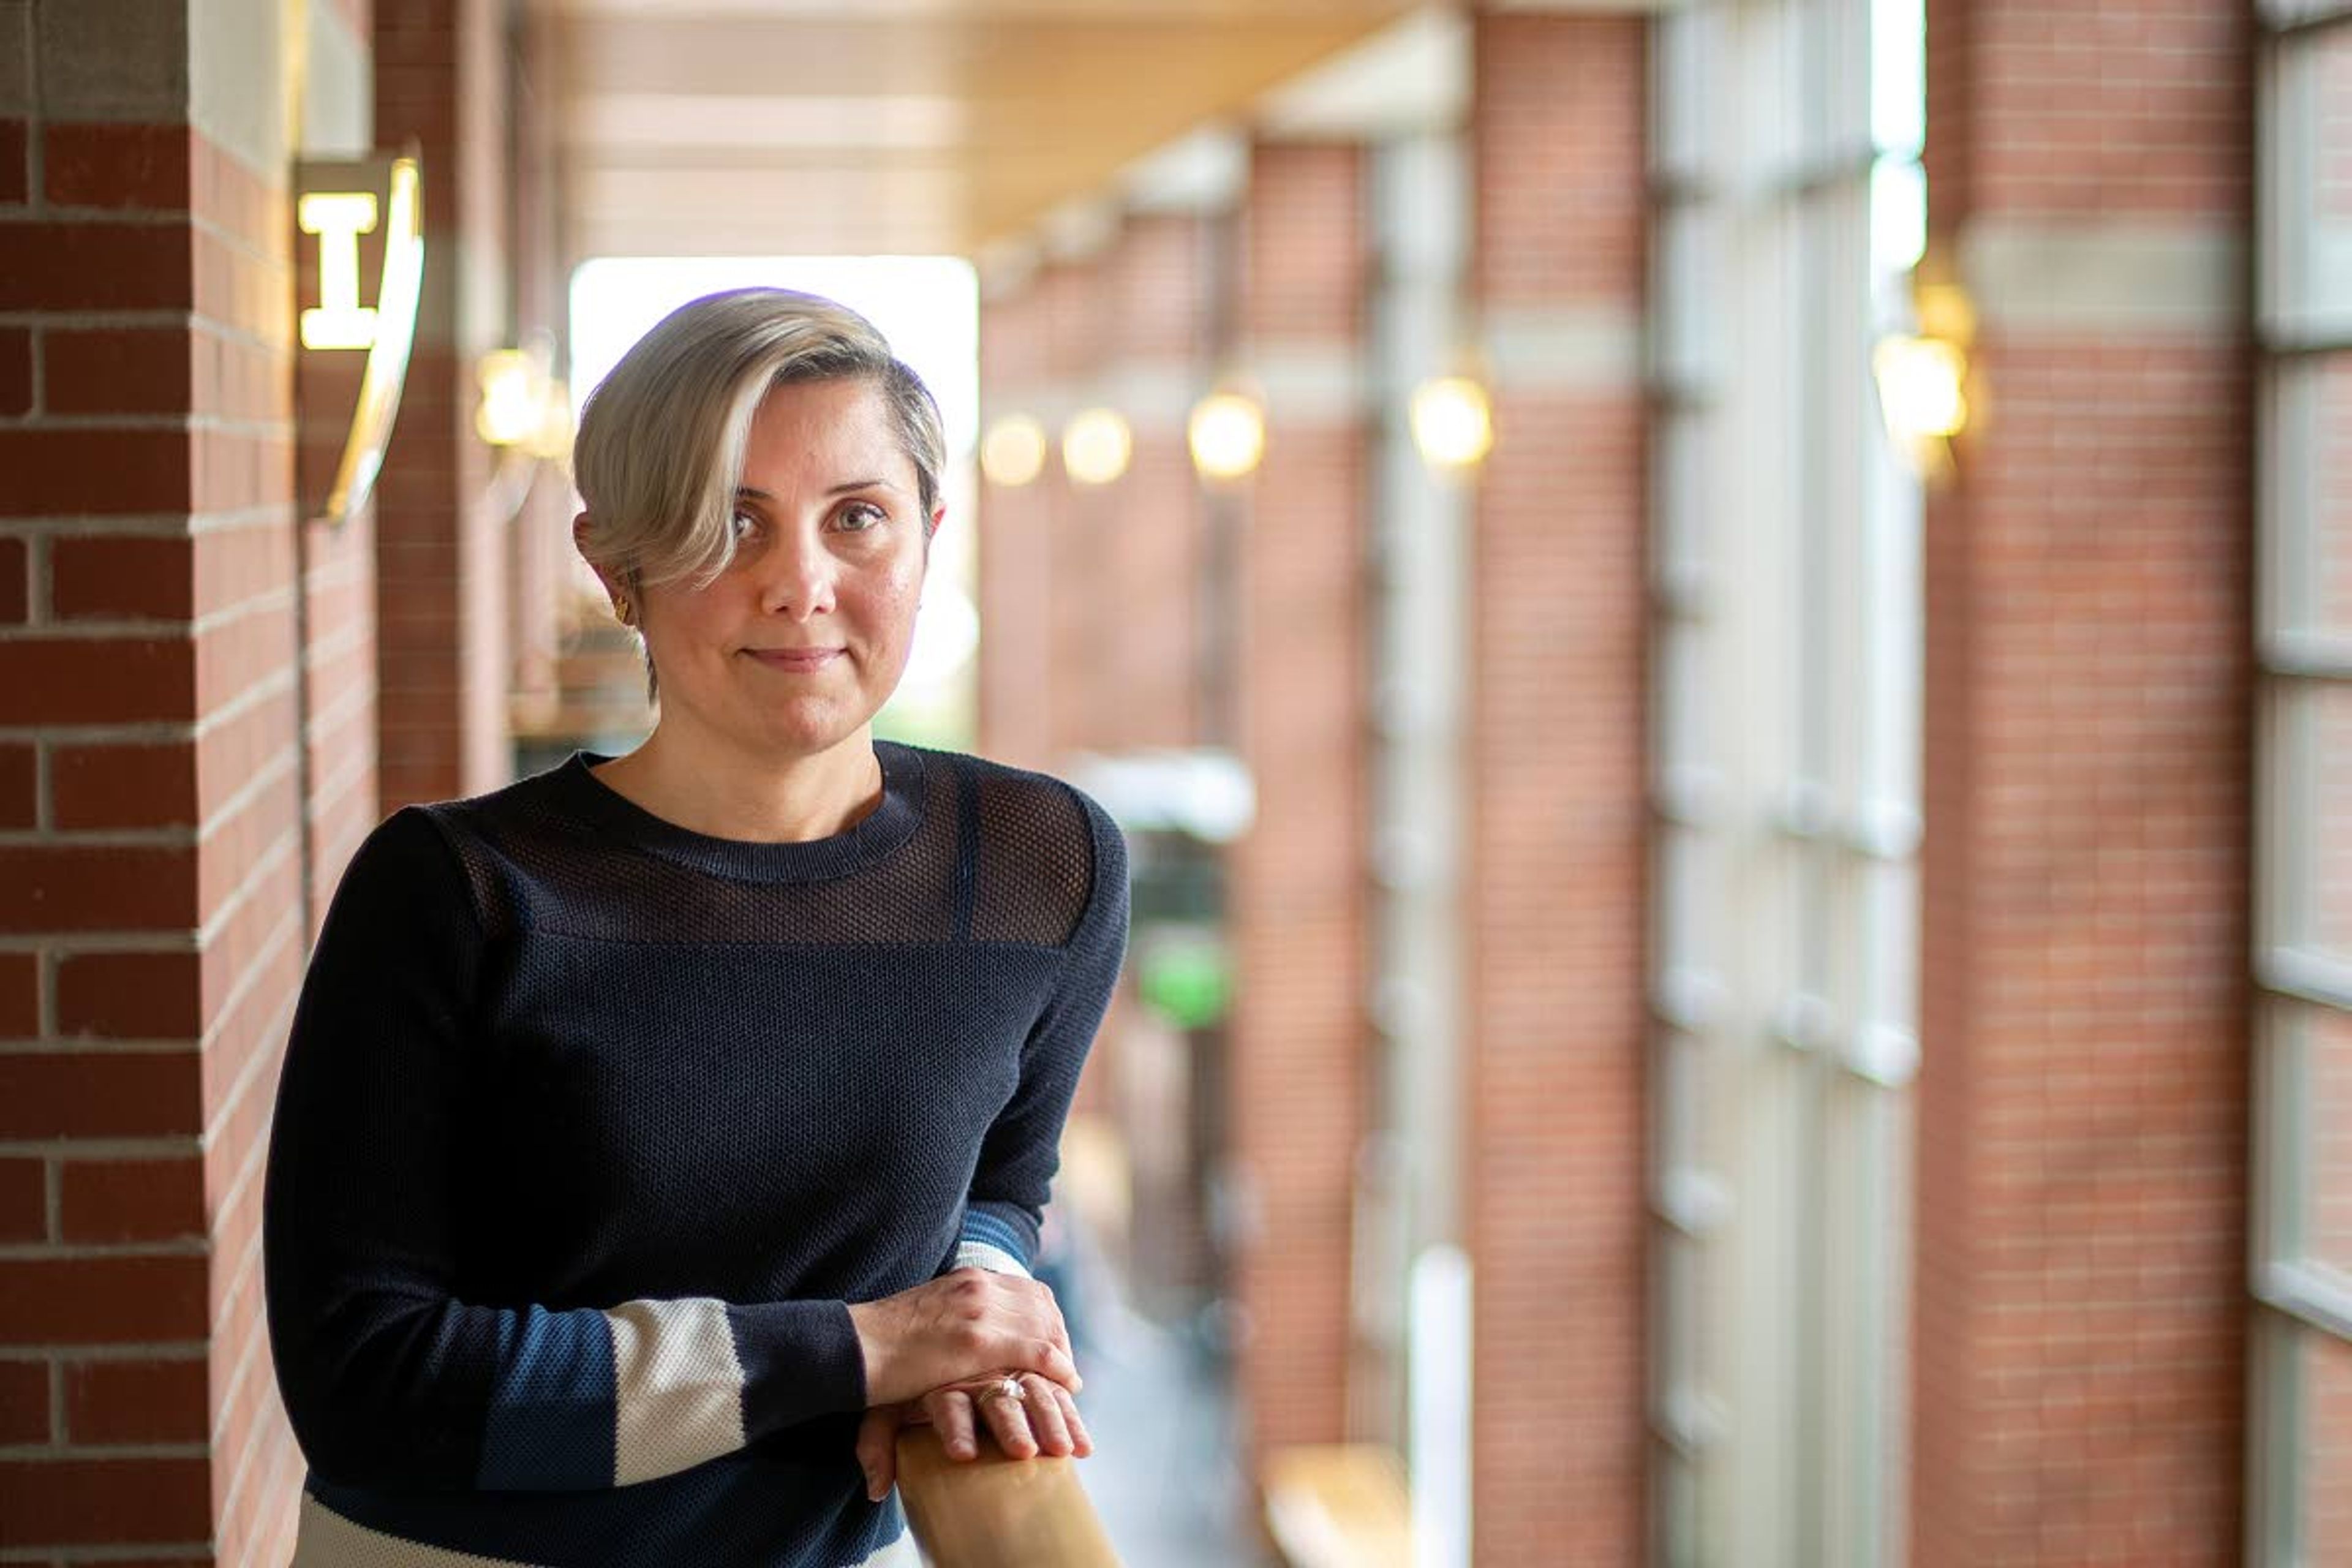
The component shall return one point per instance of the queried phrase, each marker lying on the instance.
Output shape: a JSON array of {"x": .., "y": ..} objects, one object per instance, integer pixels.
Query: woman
[{"x": 659, "y": 1133}]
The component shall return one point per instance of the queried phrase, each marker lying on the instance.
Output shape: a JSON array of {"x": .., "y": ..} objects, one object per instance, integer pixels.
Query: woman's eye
[
  {"x": 862, "y": 515},
  {"x": 744, "y": 525}
]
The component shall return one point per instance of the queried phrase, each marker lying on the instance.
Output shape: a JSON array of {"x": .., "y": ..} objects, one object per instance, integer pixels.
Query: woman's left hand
[{"x": 1039, "y": 1418}]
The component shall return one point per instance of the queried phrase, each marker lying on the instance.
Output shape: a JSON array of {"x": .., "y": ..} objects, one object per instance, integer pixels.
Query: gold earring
[{"x": 621, "y": 610}]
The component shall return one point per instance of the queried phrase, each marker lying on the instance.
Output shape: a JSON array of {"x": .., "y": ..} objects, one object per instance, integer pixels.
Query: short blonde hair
[{"x": 660, "y": 448}]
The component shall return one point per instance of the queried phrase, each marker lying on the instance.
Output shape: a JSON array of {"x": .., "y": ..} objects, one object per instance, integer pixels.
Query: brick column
[
  {"x": 1079, "y": 616},
  {"x": 1016, "y": 554},
  {"x": 1299, "y": 1037},
  {"x": 1152, "y": 547},
  {"x": 153, "y": 834},
  {"x": 1556, "y": 888},
  {"x": 442, "y": 79},
  {"x": 2083, "y": 1095}
]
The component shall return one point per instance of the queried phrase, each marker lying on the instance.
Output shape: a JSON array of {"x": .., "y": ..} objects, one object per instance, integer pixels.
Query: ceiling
[{"x": 804, "y": 127}]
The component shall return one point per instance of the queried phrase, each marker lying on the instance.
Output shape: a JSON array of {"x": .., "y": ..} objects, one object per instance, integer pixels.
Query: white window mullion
[{"x": 2299, "y": 1449}]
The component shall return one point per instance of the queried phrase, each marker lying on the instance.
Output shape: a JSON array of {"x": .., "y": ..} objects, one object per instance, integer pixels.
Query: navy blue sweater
[{"x": 591, "y": 1128}]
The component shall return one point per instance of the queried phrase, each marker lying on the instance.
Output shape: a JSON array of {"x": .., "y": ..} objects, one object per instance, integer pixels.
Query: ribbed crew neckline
[{"x": 880, "y": 831}]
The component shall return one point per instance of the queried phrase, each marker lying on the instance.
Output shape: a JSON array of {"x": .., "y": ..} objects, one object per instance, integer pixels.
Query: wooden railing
[
  {"x": 997, "y": 1512},
  {"x": 1339, "y": 1505}
]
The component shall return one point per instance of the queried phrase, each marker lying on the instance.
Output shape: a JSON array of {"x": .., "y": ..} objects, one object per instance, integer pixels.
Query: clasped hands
[{"x": 951, "y": 1351}]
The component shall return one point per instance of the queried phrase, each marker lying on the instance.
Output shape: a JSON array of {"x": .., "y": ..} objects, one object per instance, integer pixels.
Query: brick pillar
[
  {"x": 542, "y": 567},
  {"x": 154, "y": 834},
  {"x": 1152, "y": 547},
  {"x": 1079, "y": 616},
  {"x": 1556, "y": 886},
  {"x": 1016, "y": 547},
  {"x": 442, "y": 79},
  {"x": 2082, "y": 1094},
  {"x": 1298, "y": 1035}
]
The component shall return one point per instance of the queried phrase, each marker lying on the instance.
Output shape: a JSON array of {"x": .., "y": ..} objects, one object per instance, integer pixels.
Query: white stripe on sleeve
[
  {"x": 678, "y": 1387},
  {"x": 996, "y": 1260}
]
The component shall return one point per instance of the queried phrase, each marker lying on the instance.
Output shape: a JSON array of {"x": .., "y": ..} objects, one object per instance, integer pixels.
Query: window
[
  {"x": 1786, "y": 667},
  {"x": 2301, "y": 1501}
]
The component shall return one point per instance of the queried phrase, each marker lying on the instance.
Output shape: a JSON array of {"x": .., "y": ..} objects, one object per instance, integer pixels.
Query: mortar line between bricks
[
  {"x": 87, "y": 1452},
  {"x": 93, "y": 1251}
]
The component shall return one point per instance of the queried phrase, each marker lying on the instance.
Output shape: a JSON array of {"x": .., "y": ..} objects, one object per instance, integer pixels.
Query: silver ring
[{"x": 1004, "y": 1388}]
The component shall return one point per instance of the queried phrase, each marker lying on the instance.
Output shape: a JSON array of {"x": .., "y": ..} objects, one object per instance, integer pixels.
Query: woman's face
[{"x": 794, "y": 647}]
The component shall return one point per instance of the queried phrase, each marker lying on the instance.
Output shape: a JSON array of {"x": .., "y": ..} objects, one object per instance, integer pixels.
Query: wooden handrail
[
  {"x": 1338, "y": 1505},
  {"x": 995, "y": 1511}
]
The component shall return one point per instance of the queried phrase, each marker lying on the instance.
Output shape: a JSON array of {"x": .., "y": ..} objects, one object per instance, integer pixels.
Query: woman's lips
[{"x": 794, "y": 659}]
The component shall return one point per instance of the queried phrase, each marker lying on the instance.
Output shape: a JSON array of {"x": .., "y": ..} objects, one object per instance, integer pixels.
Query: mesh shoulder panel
[{"x": 1035, "y": 859}]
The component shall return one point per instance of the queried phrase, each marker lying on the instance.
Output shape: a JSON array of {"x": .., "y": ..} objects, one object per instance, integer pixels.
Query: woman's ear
[{"x": 580, "y": 543}]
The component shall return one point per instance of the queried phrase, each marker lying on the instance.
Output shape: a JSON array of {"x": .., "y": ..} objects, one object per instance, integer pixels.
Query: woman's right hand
[{"x": 965, "y": 1324}]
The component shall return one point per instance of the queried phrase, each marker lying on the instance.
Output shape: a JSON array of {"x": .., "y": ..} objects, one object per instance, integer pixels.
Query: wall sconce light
[
  {"x": 338, "y": 202},
  {"x": 1923, "y": 379},
  {"x": 524, "y": 406},
  {"x": 1226, "y": 434},
  {"x": 1012, "y": 453},
  {"x": 1453, "y": 422},
  {"x": 551, "y": 442},
  {"x": 514, "y": 383},
  {"x": 1096, "y": 447},
  {"x": 526, "y": 413}
]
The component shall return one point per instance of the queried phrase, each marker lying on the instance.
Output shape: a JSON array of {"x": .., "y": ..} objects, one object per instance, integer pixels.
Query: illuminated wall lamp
[
  {"x": 514, "y": 392},
  {"x": 1012, "y": 453},
  {"x": 1453, "y": 423},
  {"x": 338, "y": 201},
  {"x": 1226, "y": 435},
  {"x": 1096, "y": 447},
  {"x": 526, "y": 413},
  {"x": 1923, "y": 380}
]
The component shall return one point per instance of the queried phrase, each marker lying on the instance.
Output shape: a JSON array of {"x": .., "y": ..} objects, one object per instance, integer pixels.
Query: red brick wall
[
  {"x": 442, "y": 556},
  {"x": 1016, "y": 558},
  {"x": 2080, "y": 1303},
  {"x": 1556, "y": 888},
  {"x": 1080, "y": 615},
  {"x": 152, "y": 830},
  {"x": 1299, "y": 1037},
  {"x": 542, "y": 563},
  {"x": 1150, "y": 678}
]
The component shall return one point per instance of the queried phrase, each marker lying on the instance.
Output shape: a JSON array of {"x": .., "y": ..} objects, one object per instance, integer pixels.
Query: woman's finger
[
  {"x": 1008, "y": 1419},
  {"x": 951, "y": 1414},
  {"x": 1045, "y": 1357},
  {"x": 1047, "y": 1422},
  {"x": 1081, "y": 1442}
]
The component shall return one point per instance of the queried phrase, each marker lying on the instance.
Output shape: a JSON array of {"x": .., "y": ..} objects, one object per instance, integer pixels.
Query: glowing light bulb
[
  {"x": 1096, "y": 447},
  {"x": 1453, "y": 423},
  {"x": 1227, "y": 434},
  {"x": 1012, "y": 453},
  {"x": 1920, "y": 387}
]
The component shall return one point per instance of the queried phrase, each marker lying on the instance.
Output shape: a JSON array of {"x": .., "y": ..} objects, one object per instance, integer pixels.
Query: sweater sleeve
[
  {"x": 1023, "y": 1148},
  {"x": 391, "y": 1380}
]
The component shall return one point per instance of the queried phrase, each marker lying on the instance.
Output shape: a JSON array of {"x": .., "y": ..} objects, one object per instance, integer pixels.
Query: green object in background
[{"x": 1188, "y": 984}]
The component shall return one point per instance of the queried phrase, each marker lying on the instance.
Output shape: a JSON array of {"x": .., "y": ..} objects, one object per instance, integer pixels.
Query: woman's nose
[{"x": 797, "y": 576}]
